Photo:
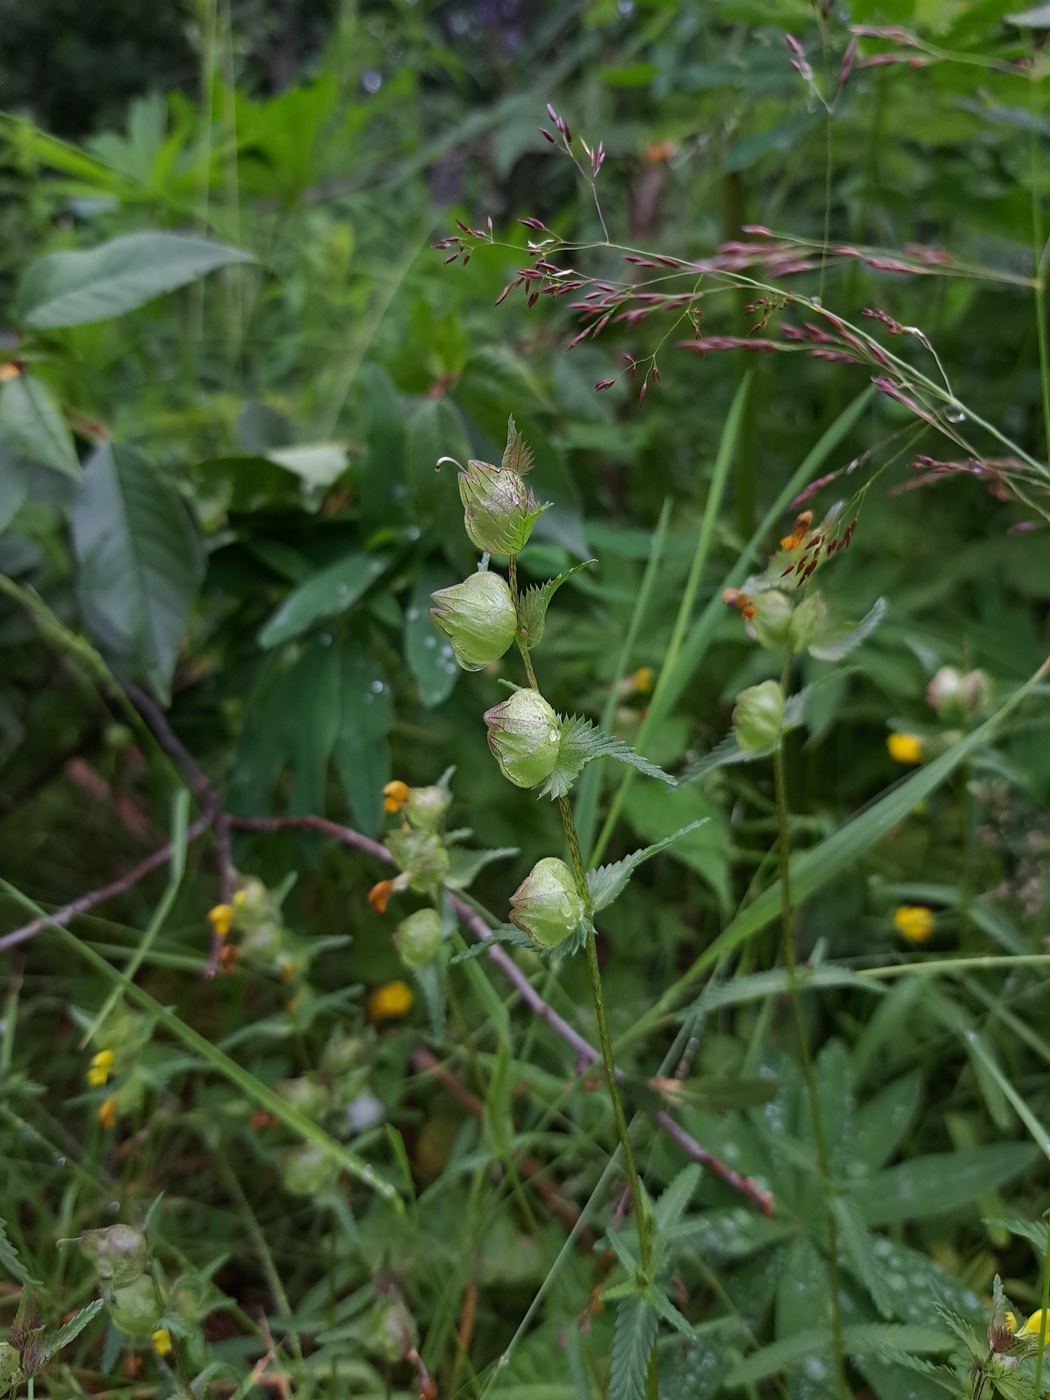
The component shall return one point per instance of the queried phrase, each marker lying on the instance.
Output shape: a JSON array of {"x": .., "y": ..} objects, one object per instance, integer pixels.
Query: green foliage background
[{"x": 227, "y": 487}]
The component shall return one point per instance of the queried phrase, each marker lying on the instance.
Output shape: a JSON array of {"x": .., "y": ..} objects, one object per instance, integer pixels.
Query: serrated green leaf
[
  {"x": 534, "y": 602},
  {"x": 608, "y": 881},
  {"x": 50, "y": 1346},
  {"x": 75, "y": 288},
  {"x": 329, "y": 592},
  {"x": 838, "y": 647},
  {"x": 33, "y": 423},
  {"x": 633, "y": 1337},
  {"x": 503, "y": 933},
  {"x": 675, "y": 1197},
  {"x": 580, "y": 743},
  {"x": 9, "y": 1259},
  {"x": 517, "y": 455}
]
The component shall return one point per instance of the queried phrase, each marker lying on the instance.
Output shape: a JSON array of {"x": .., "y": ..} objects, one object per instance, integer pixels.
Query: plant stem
[
  {"x": 641, "y": 1214},
  {"x": 823, "y": 1162}
]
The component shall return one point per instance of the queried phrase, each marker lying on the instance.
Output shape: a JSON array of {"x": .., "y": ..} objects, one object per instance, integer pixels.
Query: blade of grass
[
  {"x": 180, "y": 808},
  {"x": 979, "y": 1050},
  {"x": 699, "y": 638},
  {"x": 814, "y": 868},
  {"x": 588, "y": 789},
  {"x": 212, "y": 1056}
]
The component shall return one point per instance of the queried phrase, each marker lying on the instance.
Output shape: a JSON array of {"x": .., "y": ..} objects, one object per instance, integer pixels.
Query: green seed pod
[
  {"x": 425, "y": 807},
  {"x": 547, "y": 905},
  {"x": 308, "y": 1170},
  {"x": 251, "y": 904},
  {"x": 758, "y": 716},
  {"x": 418, "y": 938},
  {"x": 263, "y": 943},
  {"x": 118, "y": 1253},
  {"x": 772, "y": 618},
  {"x": 498, "y": 508},
  {"x": 524, "y": 734},
  {"x": 388, "y": 1329},
  {"x": 809, "y": 623},
  {"x": 478, "y": 618},
  {"x": 307, "y": 1096},
  {"x": 136, "y": 1308}
]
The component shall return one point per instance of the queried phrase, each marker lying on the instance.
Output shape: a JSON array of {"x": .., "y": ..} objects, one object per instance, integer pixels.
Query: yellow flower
[
  {"x": 101, "y": 1068},
  {"x": 107, "y": 1112},
  {"x": 390, "y": 1001},
  {"x": 395, "y": 795},
  {"x": 643, "y": 680},
  {"x": 221, "y": 919},
  {"x": 1010, "y": 1322},
  {"x": 162, "y": 1342},
  {"x": 1032, "y": 1327},
  {"x": 914, "y": 921},
  {"x": 904, "y": 748}
]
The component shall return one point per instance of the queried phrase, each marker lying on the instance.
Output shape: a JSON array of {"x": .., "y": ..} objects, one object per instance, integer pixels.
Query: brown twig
[{"x": 88, "y": 901}]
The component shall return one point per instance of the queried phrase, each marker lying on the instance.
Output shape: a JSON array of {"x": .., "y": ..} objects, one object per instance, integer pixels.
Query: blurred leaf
[
  {"x": 328, "y": 593},
  {"x": 12, "y": 485},
  {"x": 73, "y": 288},
  {"x": 881, "y": 1123},
  {"x": 428, "y": 652},
  {"x": 140, "y": 562},
  {"x": 608, "y": 881},
  {"x": 779, "y": 140},
  {"x": 33, "y": 422},
  {"x": 940, "y": 1183},
  {"x": 362, "y": 750},
  {"x": 316, "y": 464}
]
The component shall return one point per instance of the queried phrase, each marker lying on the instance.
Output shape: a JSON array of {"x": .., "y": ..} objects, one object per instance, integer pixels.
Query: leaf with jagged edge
[
  {"x": 835, "y": 648},
  {"x": 729, "y": 751},
  {"x": 607, "y": 882},
  {"x": 633, "y": 1337},
  {"x": 581, "y": 742},
  {"x": 9, "y": 1259},
  {"x": 503, "y": 933},
  {"x": 517, "y": 455},
  {"x": 50, "y": 1345},
  {"x": 534, "y": 602}
]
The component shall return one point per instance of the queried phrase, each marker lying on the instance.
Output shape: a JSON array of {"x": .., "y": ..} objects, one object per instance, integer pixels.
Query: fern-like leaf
[
  {"x": 580, "y": 743},
  {"x": 517, "y": 455},
  {"x": 633, "y": 1338},
  {"x": 533, "y": 604}
]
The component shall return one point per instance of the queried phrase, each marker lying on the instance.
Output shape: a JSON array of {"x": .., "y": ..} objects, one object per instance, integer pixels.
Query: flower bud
[
  {"x": 478, "y": 618},
  {"x": 771, "y": 620},
  {"x": 758, "y": 716},
  {"x": 547, "y": 905},
  {"x": 956, "y": 696},
  {"x": 308, "y": 1169},
  {"x": 251, "y": 904},
  {"x": 118, "y": 1253},
  {"x": 135, "y": 1309},
  {"x": 426, "y": 806},
  {"x": 418, "y": 938},
  {"x": 307, "y": 1096},
  {"x": 498, "y": 508},
  {"x": 524, "y": 734},
  {"x": 809, "y": 623}
]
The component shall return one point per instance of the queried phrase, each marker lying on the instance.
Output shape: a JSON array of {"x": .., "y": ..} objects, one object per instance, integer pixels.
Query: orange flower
[
  {"x": 9, "y": 370},
  {"x": 797, "y": 538},
  {"x": 395, "y": 795},
  {"x": 379, "y": 894},
  {"x": 390, "y": 1001},
  {"x": 107, "y": 1112}
]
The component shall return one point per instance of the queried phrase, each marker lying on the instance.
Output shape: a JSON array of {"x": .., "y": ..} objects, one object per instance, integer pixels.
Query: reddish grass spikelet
[
  {"x": 838, "y": 357},
  {"x": 508, "y": 289},
  {"x": 757, "y": 230},
  {"x": 545, "y": 133},
  {"x": 847, "y": 64},
  {"x": 604, "y": 384},
  {"x": 537, "y": 224}
]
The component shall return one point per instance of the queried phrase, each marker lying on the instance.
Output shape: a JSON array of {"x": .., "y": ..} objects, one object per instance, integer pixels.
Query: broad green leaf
[
  {"x": 382, "y": 468},
  {"x": 329, "y": 592},
  {"x": 74, "y": 288},
  {"x": 804, "y": 1305},
  {"x": 881, "y": 1123},
  {"x": 33, "y": 423},
  {"x": 836, "y": 648},
  {"x": 140, "y": 562},
  {"x": 464, "y": 865},
  {"x": 312, "y": 723},
  {"x": 428, "y": 652},
  {"x": 608, "y": 881},
  {"x": 654, "y": 814},
  {"x": 859, "y": 1340},
  {"x": 943, "y": 1182},
  {"x": 779, "y": 140},
  {"x": 633, "y": 1337},
  {"x": 315, "y": 464},
  {"x": 12, "y": 485},
  {"x": 362, "y": 750}
]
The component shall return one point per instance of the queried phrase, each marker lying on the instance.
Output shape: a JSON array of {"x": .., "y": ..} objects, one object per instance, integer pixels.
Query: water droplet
[
  {"x": 60, "y": 1161},
  {"x": 412, "y": 615},
  {"x": 378, "y": 687},
  {"x": 955, "y": 415},
  {"x": 429, "y": 642},
  {"x": 368, "y": 697},
  {"x": 413, "y": 532},
  {"x": 371, "y": 80},
  {"x": 114, "y": 1207},
  {"x": 325, "y": 639},
  {"x": 552, "y": 735},
  {"x": 342, "y": 590}
]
